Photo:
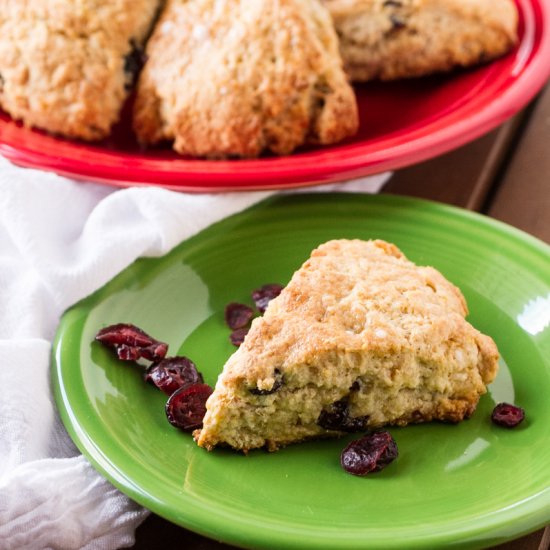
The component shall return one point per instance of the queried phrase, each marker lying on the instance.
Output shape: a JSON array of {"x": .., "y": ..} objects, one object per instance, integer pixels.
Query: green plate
[{"x": 469, "y": 485}]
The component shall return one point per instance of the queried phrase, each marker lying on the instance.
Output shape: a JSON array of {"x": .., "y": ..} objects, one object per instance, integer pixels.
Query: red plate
[{"x": 401, "y": 123}]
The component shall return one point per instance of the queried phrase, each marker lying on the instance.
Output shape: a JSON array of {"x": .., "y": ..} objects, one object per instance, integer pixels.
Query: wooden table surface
[{"x": 505, "y": 175}]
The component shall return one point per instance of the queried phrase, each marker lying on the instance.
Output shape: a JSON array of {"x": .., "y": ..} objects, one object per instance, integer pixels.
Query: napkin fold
[{"x": 61, "y": 240}]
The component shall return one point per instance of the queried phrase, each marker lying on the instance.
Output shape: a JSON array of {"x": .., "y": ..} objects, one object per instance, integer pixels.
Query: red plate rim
[{"x": 526, "y": 77}]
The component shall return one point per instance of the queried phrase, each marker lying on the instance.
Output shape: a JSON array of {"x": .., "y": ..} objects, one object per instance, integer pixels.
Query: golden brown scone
[
  {"x": 389, "y": 39},
  {"x": 66, "y": 65},
  {"x": 360, "y": 338},
  {"x": 235, "y": 78}
]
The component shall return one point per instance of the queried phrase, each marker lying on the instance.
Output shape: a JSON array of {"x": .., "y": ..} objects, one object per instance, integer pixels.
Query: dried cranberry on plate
[
  {"x": 131, "y": 343},
  {"x": 506, "y": 415},
  {"x": 238, "y": 315},
  {"x": 187, "y": 406},
  {"x": 263, "y": 295},
  {"x": 371, "y": 453},
  {"x": 173, "y": 373},
  {"x": 237, "y": 336}
]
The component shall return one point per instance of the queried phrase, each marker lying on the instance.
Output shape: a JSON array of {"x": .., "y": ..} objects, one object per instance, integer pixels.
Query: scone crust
[
  {"x": 357, "y": 322},
  {"x": 62, "y": 61},
  {"x": 408, "y": 38},
  {"x": 231, "y": 78}
]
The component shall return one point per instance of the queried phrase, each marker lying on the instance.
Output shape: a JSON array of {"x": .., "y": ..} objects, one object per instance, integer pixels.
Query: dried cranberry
[
  {"x": 397, "y": 22},
  {"x": 133, "y": 62},
  {"x": 371, "y": 453},
  {"x": 187, "y": 406},
  {"x": 237, "y": 336},
  {"x": 131, "y": 343},
  {"x": 173, "y": 373},
  {"x": 278, "y": 376},
  {"x": 507, "y": 415},
  {"x": 262, "y": 296},
  {"x": 337, "y": 418},
  {"x": 334, "y": 417},
  {"x": 238, "y": 315}
]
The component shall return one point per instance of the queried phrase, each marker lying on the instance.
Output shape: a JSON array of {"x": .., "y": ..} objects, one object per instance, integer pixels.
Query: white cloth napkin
[{"x": 59, "y": 241}]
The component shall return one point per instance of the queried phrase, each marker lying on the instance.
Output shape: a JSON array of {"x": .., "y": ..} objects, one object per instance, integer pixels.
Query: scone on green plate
[
  {"x": 67, "y": 66},
  {"x": 229, "y": 78},
  {"x": 389, "y": 39},
  {"x": 360, "y": 338}
]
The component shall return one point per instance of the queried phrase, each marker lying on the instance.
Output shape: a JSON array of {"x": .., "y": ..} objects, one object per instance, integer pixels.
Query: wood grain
[
  {"x": 464, "y": 177},
  {"x": 522, "y": 198}
]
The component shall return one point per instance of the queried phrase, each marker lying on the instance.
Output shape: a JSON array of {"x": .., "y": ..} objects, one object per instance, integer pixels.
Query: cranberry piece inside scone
[{"x": 337, "y": 418}]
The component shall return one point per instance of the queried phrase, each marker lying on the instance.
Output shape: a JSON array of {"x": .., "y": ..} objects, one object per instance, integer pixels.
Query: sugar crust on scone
[
  {"x": 62, "y": 61},
  {"x": 358, "y": 322},
  {"x": 231, "y": 78},
  {"x": 389, "y": 39}
]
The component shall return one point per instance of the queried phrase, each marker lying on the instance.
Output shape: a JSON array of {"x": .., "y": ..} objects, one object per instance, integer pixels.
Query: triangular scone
[
  {"x": 360, "y": 338},
  {"x": 238, "y": 77},
  {"x": 390, "y": 39},
  {"x": 67, "y": 66}
]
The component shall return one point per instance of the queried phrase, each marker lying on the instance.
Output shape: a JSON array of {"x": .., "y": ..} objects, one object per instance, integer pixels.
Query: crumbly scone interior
[
  {"x": 235, "y": 78},
  {"x": 357, "y": 323},
  {"x": 381, "y": 39},
  {"x": 62, "y": 62}
]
